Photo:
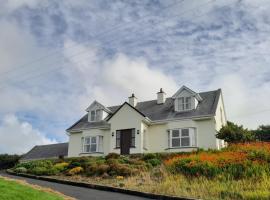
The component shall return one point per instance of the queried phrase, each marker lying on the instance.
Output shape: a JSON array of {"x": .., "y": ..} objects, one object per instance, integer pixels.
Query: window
[
  {"x": 96, "y": 115},
  {"x": 118, "y": 135},
  {"x": 92, "y": 144},
  {"x": 182, "y": 137},
  {"x": 93, "y": 115},
  {"x": 184, "y": 103}
]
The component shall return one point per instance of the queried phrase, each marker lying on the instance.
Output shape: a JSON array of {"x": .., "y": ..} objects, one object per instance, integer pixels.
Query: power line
[
  {"x": 87, "y": 40},
  {"x": 182, "y": 13},
  {"x": 80, "y": 53}
]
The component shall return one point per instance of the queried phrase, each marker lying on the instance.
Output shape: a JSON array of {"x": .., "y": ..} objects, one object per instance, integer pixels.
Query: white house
[{"x": 184, "y": 122}]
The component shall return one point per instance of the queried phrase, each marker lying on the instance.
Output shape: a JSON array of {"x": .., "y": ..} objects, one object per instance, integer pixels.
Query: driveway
[{"x": 77, "y": 192}]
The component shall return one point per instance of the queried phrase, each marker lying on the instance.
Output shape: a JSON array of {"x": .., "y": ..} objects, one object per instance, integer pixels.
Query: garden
[{"x": 240, "y": 171}]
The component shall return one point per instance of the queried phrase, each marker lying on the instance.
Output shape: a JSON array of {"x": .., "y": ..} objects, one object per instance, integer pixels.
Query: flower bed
[{"x": 236, "y": 161}]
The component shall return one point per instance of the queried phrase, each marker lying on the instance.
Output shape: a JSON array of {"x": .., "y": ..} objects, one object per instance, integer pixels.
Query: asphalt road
[{"x": 77, "y": 192}]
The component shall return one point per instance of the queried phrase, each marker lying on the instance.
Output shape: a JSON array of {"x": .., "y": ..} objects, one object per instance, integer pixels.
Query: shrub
[
  {"x": 8, "y": 161},
  {"x": 75, "y": 170},
  {"x": 20, "y": 170},
  {"x": 121, "y": 170},
  {"x": 232, "y": 133},
  {"x": 154, "y": 162},
  {"x": 149, "y": 156},
  {"x": 39, "y": 171},
  {"x": 74, "y": 164},
  {"x": 60, "y": 167},
  {"x": 112, "y": 156},
  {"x": 101, "y": 169}
]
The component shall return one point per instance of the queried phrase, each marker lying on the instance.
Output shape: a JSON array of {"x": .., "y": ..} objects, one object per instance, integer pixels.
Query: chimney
[
  {"x": 132, "y": 100},
  {"x": 161, "y": 97}
]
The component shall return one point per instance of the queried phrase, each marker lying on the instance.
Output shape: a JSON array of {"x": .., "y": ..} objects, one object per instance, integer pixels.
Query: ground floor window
[
  {"x": 184, "y": 137},
  {"x": 92, "y": 144}
]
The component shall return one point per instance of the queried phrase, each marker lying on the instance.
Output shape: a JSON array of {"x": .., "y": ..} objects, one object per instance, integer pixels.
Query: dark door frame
[{"x": 125, "y": 140}]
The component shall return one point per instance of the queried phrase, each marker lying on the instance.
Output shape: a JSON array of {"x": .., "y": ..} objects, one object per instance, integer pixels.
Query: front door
[{"x": 125, "y": 141}]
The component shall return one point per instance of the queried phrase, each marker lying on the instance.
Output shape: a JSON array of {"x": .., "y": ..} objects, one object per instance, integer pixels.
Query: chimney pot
[
  {"x": 161, "y": 96},
  {"x": 132, "y": 100}
]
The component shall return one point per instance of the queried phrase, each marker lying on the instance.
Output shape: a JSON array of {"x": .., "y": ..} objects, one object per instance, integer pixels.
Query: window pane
[
  {"x": 93, "y": 147},
  {"x": 175, "y": 133},
  {"x": 185, "y": 142},
  {"x": 87, "y": 148},
  {"x": 133, "y": 133},
  {"x": 117, "y": 142},
  {"x": 175, "y": 142},
  {"x": 98, "y": 114},
  {"x": 93, "y": 115},
  {"x": 87, "y": 140},
  {"x": 93, "y": 140},
  {"x": 185, "y": 132},
  {"x": 188, "y": 100},
  {"x": 100, "y": 144},
  {"x": 117, "y": 134},
  {"x": 133, "y": 142}
]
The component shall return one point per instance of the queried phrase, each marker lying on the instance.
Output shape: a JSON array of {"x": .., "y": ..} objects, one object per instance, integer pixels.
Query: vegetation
[
  {"x": 240, "y": 171},
  {"x": 262, "y": 133},
  {"x": 233, "y": 133},
  {"x": 8, "y": 161},
  {"x": 12, "y": 190}
]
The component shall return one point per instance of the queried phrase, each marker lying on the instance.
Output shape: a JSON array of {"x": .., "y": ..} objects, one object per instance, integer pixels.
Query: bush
[
  {"x": 149, "y": 156},
  {"x": 74, "y": 164},
  {"x": 154, "y": 162},
  {"x": 20, "y": 170},
  {"x": 60, "y": 167},
  {"x": 8, "y": 161},
  {"x": 112, "y": 156},
  {"x": 232, "y": 133},
  {"x": 121, "y": 170},
  {"x": 39, "y": 171},
  {"x": 75, "y": 171}
]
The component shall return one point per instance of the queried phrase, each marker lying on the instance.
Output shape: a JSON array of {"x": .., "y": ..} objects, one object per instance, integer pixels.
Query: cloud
[{"x": 19, "y": 136}]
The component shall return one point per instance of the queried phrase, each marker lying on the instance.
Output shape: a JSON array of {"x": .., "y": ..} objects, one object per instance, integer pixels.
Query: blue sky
[{"x": 58, "y": 56}]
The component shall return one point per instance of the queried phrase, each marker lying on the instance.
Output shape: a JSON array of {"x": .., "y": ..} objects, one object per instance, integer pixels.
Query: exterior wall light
[
  {"x": 112, "y": 134},
  {"x": 138, "y": 132}
]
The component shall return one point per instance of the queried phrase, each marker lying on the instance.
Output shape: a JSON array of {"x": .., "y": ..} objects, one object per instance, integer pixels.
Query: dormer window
[
  {"x": 97, "y": 112},
  {"x": 184, "y": 103},
  {"x": 185, "y": 99},
  {"x": 96, "y": 115}
]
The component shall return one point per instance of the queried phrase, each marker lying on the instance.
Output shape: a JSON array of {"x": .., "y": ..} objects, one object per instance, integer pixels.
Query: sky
[{"x": 58, "y": 56}]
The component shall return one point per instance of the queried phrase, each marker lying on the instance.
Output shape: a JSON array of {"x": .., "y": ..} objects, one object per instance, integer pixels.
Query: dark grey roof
[
  {"x": 155, "y": 111},
  {"x": 47, "y": 151}
]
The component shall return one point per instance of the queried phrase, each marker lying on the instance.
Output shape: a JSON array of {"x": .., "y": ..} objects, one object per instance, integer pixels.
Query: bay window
[
  {"x": 180, "y": 138},
  {"x": 92, "y": 144}
]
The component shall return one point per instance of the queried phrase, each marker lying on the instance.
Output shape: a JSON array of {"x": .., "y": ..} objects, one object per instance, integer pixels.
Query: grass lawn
[{"x": 13, "y": 190}]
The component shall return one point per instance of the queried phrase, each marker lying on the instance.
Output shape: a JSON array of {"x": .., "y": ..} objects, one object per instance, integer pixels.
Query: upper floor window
[
  {"x": 184, "y": 103},
  {"x": 96, "y": 115}
]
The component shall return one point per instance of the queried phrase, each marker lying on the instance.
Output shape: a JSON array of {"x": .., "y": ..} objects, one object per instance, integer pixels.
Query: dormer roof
[
  {"x": 196, "y": 95},
  {"x": 96, "y": 105}
]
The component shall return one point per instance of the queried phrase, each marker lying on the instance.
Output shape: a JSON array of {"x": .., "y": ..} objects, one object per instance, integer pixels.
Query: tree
[
  {"x": 233, "y": 133},
  {"x": 262, "y": 133}
]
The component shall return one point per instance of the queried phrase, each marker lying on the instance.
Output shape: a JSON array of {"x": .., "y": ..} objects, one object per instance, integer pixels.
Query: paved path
[{"x": 77, "y": 192}]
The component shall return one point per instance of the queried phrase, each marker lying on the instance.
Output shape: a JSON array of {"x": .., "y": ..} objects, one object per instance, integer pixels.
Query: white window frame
[
  {"x": 183, "y": 103},
  {"x": 98, "y": 143},
  {"x": 192, "y": 138},
  {"x": 95, "y": 115}
]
